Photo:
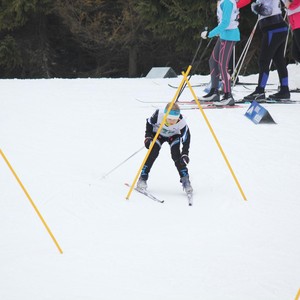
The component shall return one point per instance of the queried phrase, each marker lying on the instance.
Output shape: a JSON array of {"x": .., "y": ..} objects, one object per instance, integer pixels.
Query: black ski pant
[
  {"x": 272, "y": 48},
  {"x": 218, "y": 64},
  {"x": 174, "y": 142},
  {"x": 296, "y": 45}
]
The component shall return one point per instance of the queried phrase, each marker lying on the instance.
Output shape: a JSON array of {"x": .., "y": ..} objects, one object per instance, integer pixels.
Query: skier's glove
[
  {"x": 184, "y": 159},
  {"x": 260, "y": 9},
  {"x": 148, "y": 140},
  {"x": 204, "y": 34}
]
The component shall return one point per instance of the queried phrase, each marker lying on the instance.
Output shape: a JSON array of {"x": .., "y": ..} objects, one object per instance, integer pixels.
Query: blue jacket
[{"x": 227, "y": 28}]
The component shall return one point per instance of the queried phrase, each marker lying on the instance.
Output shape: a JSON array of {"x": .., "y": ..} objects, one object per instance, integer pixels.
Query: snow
[{"x": 62, "y": 136}]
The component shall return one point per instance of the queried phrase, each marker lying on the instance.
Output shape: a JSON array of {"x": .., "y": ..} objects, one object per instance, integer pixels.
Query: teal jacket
[{"x": 227, "y": 28}]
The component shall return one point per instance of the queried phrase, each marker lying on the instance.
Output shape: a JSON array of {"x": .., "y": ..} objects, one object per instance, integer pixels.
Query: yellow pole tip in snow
[{"x": 298, "y": 295}]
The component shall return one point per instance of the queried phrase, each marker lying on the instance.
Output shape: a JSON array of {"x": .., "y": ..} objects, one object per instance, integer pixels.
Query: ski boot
[
  {"x": 213, "y": 95},
  {"x": 186, "y": 184},
  {"x": 258, "y": 95},
  {"x": 283, "y": 94},
  {"x": 227, "y": 100},
  {"x": 141, "y": 184}
]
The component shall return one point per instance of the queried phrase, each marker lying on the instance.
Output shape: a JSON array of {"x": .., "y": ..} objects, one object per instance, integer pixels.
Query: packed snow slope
[{"x": 62, "y": 136}]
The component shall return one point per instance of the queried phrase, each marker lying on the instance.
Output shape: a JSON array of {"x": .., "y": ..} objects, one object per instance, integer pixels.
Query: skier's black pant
[
  {"x": 272, "y": 48},
  {"x": 174, "y": 142}
]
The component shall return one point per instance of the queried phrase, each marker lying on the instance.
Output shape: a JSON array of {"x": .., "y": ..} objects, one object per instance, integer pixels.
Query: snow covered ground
[{"x": 62, "y": 136}]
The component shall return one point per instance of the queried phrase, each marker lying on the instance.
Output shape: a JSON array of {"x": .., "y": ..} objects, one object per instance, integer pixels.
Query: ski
[
  {"x": 147, "y": 194},
  {"x": 296, "y": 90},
  {"x": 251, "y": 83},
  {"x": 191, "y": 104},
  {"x": 193, "y": 85},
  {"x": 151, "y": 102},
  {"x": 283, "y": 101},
  {"x": 270, "y": 101},
  {"x": 250, "y": 89},
  {"x": 190, "y": 198},
  {"x": 209, "y": 106},
  {"x": 183, "y": 102},
  {"x": 207, "y": 83}
]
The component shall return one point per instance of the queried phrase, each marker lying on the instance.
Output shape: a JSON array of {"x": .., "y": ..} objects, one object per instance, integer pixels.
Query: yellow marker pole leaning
[
  {"x": 159, "y": 130},
  {"x": 215, "y": 137},
  {"x": 31, "y": 201},
  {"x": 298, "y": 295}
]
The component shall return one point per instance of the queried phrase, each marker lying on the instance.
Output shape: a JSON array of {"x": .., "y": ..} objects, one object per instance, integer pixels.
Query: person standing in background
[
  {"x": 293, "y": 12},
  {"x": 242, "y": 3},
  {"x": 274, "y": 34},
  {"x": 228, "y": 34}
]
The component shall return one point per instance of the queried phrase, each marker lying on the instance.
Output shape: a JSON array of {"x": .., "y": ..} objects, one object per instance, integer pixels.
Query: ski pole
[
  {"x": 196, "y": 53},
  {"x": 196, "y": 67},
  {"x": 120, "y": 164},
  {"x": 240, "y": 62},
  {"x": 233, "y": 58},
  {"x": 288, "y": 33},
  {"x": 244, "y": 52},
  {"x": 287, "y": 39},
  {"x": 202, "y": 55},
  {"x": 243, "y": 55},
  {"x": 193, "y": 60}
]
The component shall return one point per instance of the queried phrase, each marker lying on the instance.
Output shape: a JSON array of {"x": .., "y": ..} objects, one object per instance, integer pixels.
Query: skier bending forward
[{"x": 175, "y": 131}]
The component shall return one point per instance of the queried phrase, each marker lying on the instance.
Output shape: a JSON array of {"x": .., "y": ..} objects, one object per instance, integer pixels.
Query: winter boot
[
  {"x": 213, "y": 95},
  {"x": 186, "y": 184},
  {"x": 257, "y": 95},
  {"x": 141, "y": 184}
]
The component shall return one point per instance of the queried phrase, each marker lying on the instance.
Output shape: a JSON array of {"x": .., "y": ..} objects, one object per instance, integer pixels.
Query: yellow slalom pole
[
  {"x": 215, "y": 137},
  {"x": 159, "y": 130},
  {"x": 31, "y": 201},
  {"x": 298, "y": 295}
]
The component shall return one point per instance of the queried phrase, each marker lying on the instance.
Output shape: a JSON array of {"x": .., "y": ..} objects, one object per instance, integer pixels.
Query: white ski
[
  {"x": 190, "y": 198},
  {"x": 146, "y": 193}
]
